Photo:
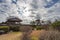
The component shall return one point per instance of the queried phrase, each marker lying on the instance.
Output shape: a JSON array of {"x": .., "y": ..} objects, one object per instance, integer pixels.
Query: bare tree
[{"x": 38, "y": 22}]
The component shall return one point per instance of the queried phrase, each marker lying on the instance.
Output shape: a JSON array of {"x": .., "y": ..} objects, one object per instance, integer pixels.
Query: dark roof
[
  {"x": 13, "y": 19},
  {"x": 38, "y": 20}
]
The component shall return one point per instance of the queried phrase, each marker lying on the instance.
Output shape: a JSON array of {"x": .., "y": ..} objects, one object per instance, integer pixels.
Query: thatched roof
[
  {"x": 38, "y": 20},
  {"x": 14, "y": 19}
]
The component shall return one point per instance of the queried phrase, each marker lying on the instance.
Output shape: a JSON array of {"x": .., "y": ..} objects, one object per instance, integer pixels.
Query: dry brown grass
[
  {"x": 35, "y": 34},
  {"x": 49, "y": 35},
  {"x": 45, "y": 35},
  {"x": 11, "y": 36},
  {"x": 26, "y": 32}
]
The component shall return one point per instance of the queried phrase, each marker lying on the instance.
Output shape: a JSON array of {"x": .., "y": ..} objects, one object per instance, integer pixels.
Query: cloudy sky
[{"x": 46, "y": 9}]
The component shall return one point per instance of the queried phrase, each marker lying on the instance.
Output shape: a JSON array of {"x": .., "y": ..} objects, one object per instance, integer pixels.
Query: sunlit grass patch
[
  {"x": 34, "y": 38},
  {"x": 35, "y": 35},
  {"x": 16, "y": 32},
  {"x": 1, "y": 27}
]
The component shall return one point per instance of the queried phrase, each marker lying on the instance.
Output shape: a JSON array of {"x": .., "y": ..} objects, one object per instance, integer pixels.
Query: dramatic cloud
[{"x": 47, "y": 9}]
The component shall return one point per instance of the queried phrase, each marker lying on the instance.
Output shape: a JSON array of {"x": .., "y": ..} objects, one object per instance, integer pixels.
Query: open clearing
[
  {"x": 11, "y": 36},
  {"x": 35, "y": 34},
  {"x": 17, "y": 35}
]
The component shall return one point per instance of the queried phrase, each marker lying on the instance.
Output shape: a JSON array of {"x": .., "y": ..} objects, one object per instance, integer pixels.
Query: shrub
[
  {"x": 25, "y": 36},
  {"x": 42, "y": 27},
  {"x": 15, "y": 28},
  {"x": 49, "y": 35},
  {"x": 4, "y": 28},
  {"x": 26, "y": 28},
  {"x": 39, "y": 27},
  {"x": 33, "y": 26},
  {"x": 56, "y": 25},
  {"x": 26, "y": 32}
]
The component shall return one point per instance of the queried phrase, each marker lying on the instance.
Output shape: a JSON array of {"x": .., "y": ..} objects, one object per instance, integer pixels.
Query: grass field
[
  {"x": 17, "y": 35},
  {"x": 11, "y": 36},
  {"x": 4, "y": 27},
  {"x": 35, "y": 34}
]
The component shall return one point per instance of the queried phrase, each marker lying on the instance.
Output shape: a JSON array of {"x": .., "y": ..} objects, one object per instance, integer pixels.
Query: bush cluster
[
  {"x": 26, "y": 32},
  {"x": 56, "y": 25},
  {"x": 4, "y": 28},
  {"x": 15, "y": 28},
  {"x": 49, "y": 35}
]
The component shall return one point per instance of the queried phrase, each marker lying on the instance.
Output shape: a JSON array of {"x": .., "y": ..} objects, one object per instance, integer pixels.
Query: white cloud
[
  {"x": 26, "y": 7},
  {"x": 8, "y": 9}
]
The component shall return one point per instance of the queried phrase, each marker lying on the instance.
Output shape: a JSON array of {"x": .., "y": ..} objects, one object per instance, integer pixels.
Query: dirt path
[{"x": 11, "y": 36}]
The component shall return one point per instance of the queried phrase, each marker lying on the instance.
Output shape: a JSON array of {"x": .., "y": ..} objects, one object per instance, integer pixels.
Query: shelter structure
[{"x": 13, "y": 21}]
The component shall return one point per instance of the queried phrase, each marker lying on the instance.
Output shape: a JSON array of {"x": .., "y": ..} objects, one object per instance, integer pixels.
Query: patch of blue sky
[
  {"x": 14, "y": 1},
  {"x": 51, "y": 3},
  {"x": 2, "y": 1},
  {"x": 20, "y": 12}
]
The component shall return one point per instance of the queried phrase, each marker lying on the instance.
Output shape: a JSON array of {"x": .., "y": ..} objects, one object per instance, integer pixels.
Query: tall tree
[{"x": 38, "y": 21}]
